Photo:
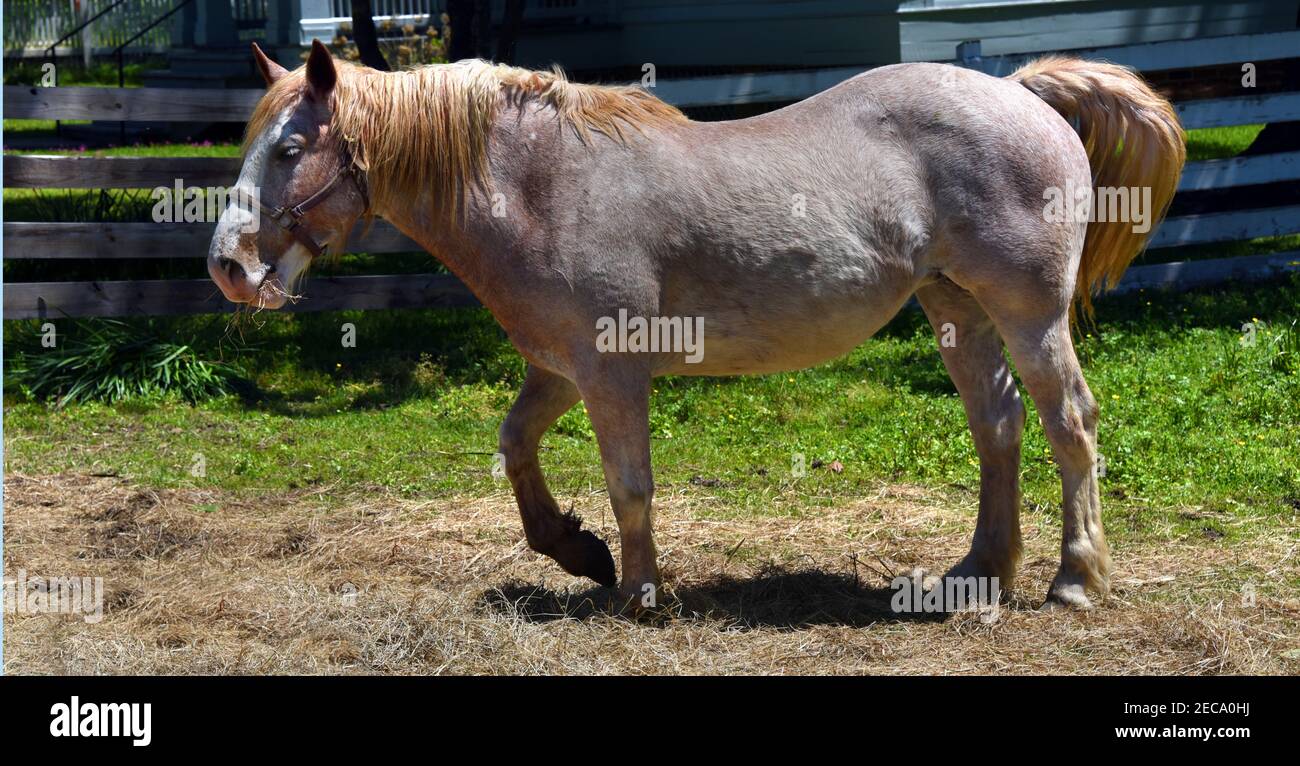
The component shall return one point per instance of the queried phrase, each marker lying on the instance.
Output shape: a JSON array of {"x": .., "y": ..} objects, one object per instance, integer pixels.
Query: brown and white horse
[{"x": 795, "y": 235}]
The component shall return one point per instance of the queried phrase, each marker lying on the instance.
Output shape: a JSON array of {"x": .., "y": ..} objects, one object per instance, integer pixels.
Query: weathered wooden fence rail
[
  {"x": 156, "y": 297},
  {"x": 149, "y": 240}
]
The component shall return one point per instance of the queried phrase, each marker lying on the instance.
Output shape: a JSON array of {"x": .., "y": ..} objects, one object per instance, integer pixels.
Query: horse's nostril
[{"x": 232, "y": 269}]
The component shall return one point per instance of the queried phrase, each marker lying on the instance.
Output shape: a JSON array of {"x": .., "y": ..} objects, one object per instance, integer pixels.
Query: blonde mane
[{"x": 430, "y": 125}]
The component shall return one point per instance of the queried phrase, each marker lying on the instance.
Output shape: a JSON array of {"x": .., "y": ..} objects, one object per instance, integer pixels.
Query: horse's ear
[
  {"x": 321, "y": 74},
  {"x": 270, "y": 70}
]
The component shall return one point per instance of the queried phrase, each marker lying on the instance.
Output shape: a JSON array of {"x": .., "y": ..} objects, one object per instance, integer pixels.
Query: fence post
[
  {"x": 216, "y": 24},
  {"x": 87, "y": 38},
  {"x": 282, "y": 23},
  {"x": 183, "y": 25}
]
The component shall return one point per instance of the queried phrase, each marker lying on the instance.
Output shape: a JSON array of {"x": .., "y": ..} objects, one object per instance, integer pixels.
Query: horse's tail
[{"x": 1134, "y": 142}]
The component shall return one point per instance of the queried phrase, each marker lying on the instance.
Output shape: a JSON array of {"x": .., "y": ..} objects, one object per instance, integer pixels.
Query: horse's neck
[
  {"x": 463, "y": 248},
  {"x": 468, "y": 247}
]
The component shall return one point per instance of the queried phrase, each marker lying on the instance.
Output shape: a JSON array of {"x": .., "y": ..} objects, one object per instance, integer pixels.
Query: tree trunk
[
  {"x": 510, "y": 31},
  {"x": 367, "y": 40},
  {"x": 464, "y": 33}
]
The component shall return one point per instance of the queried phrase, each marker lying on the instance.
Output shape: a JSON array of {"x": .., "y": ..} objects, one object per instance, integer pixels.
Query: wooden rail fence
[{"x": 54, "y": 240}]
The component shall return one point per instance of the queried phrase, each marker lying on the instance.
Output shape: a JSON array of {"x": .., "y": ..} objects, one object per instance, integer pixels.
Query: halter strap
[{"x": 290, "y": 218}]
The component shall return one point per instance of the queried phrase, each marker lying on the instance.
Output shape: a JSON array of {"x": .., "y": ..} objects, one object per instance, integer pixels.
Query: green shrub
[{"x": 110, "y": 360}]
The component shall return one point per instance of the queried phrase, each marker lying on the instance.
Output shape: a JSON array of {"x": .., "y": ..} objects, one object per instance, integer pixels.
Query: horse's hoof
[
  {"x": 1068, "y": 597},
  {"x": 970, "y": 566},
  {"x": 635, "y": 606},
  {"x": 582, "y": 554}
]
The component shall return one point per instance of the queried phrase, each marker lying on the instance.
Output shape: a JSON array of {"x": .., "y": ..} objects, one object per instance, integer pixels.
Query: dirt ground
[{"x": 201, "y": 582}]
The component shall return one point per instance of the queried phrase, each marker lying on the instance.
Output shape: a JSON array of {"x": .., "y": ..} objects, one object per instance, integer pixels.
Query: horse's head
[{"x": 305, "y": 190}]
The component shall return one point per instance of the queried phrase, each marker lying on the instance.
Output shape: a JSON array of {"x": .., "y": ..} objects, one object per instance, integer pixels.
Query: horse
[{"x": 794, "y": 236}]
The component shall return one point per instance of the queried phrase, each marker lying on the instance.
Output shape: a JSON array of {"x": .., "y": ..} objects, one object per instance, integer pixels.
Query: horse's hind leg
[
  {"x": 1043, "y": 351},
  {"x": 543, "y": 399},
  {"x": 972, "y": 353}
]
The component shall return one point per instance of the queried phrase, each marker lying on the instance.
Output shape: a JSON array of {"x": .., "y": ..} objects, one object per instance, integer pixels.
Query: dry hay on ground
[{"x": 197, "y": 581}]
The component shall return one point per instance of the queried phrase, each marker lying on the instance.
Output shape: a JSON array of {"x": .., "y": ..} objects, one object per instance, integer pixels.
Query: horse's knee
[
  {"x": 635, "y": 496},
  {"x": 515, "y": 445},
  {"x": 1001, "y": 426},
  {"x": 1089, "y": 412},
  {"x": 1071, "y": 437}
]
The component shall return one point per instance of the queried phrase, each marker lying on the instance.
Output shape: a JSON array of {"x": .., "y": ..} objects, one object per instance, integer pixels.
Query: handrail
[
  {"x": 117, "y": 52},
  {"x": 50, "y": 50}
]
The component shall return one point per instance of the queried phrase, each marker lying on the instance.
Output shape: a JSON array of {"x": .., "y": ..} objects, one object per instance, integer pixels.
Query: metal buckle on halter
[
  {"x": 290, "y": 218},
  {"x": 278, "y": 215}
]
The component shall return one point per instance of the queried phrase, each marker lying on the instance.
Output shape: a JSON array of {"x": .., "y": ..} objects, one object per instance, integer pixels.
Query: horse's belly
[{"x": 759, "y": 341}]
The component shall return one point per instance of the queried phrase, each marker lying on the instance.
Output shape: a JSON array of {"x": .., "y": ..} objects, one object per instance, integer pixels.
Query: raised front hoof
[{"x": 582, "y": 554}]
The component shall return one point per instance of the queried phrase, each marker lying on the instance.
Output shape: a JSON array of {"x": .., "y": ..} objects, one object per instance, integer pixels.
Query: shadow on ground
[{"x": 775, "y": 598}]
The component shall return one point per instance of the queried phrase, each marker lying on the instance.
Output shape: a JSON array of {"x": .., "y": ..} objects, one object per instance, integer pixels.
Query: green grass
[
  {"x": 1246, "y": 247},
  {"x": 1220, "y": 143},
  {"x": 1191, "y": 417},
  {"x": 110, "y": 360},
  {"x": 156, "y": 150},
  {"x": 146, "y": 150},
  {"x": 34, "y": 128},
  {"x": 100, "y": 74}
]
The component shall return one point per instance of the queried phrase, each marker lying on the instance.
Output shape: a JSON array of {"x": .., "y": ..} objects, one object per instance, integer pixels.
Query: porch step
[
  {"x": 231, "y": 67},
  {"x": 223, "y": 61}
]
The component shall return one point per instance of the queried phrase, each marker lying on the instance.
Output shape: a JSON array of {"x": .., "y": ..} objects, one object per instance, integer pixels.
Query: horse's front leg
[
  {"x": 543, "y": 399},
  {"x": 618, "y": 401}
]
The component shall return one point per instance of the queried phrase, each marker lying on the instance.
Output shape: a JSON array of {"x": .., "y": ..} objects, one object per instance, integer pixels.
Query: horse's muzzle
[{"x": 236, "y": 283}]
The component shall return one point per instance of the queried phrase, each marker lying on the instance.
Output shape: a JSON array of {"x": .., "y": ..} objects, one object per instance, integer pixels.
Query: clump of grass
[
  {"x": 1219, "y": 143},
  {"x": 1285, "y": 343},
  {"x": 109, "y": 360}
]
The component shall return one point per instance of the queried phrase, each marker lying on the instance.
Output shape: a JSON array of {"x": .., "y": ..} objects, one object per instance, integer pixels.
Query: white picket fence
[
  {"x": 322, "y": 18},
  {"x": 31, "y": 26},
  {"x": 386, "y": 8}
]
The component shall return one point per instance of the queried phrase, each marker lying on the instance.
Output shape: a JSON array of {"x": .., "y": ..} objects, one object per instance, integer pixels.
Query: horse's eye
[{"x": 289, "y": 152}]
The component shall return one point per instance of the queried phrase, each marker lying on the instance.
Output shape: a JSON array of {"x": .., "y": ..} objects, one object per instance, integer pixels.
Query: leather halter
[{"x": 290, "y": 218}]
